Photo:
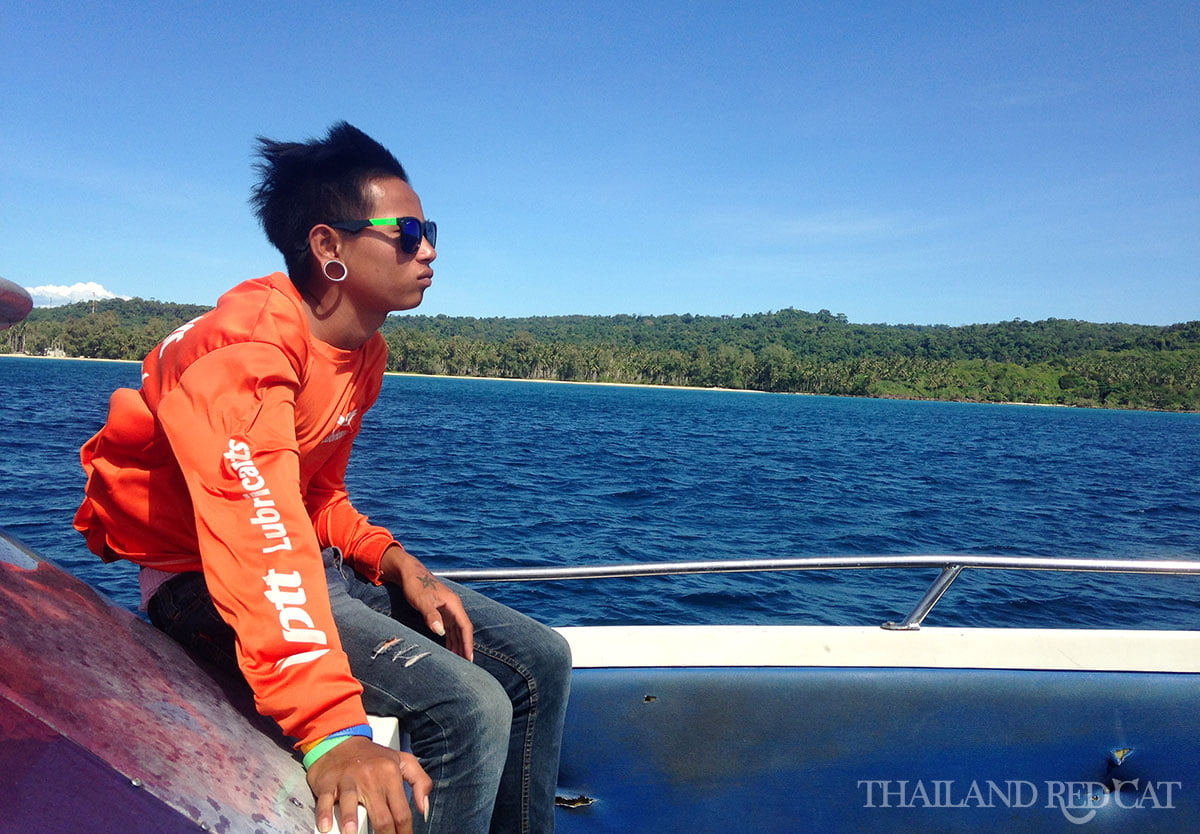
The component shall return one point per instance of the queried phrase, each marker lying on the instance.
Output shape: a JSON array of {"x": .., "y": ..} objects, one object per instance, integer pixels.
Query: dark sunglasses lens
[
  {"x": 411, "y": 231},
  {"x": 410, "y": 234}
]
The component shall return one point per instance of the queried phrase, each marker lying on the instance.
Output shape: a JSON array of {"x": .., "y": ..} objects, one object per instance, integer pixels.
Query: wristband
[
  {"x": 363, "y": 730},
  {"x": 321, "y": 748},
  {"x": 357, "y": 730}
]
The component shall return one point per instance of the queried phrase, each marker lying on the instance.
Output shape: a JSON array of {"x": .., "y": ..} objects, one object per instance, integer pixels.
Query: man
[{"x": 224, "y": 478}]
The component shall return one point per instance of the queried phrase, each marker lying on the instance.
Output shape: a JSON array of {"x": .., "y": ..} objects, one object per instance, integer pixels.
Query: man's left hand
[{"x": 442, "y": 609}]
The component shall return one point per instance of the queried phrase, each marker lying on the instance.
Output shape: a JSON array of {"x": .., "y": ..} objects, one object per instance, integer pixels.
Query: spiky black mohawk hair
[{"x": 302, "y": 184}]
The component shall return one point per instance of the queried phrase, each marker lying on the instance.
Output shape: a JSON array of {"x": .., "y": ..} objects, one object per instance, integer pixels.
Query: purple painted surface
[
  {"x": 94, "y": 699},
  {"x": 48, "y": 783},
  {"x": 15, "y": 303}
]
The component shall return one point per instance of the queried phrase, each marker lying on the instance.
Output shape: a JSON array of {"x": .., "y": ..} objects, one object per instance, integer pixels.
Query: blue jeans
[{"x": 488, "y": 733}]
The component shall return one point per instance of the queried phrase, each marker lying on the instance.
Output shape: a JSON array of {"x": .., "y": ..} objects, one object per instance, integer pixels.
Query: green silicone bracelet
[{"x": 322, "y": 748}]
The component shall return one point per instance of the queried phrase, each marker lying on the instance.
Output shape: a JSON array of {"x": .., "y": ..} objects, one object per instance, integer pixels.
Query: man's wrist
[
  {"x": 395, "y": 562},
  {"x": 316, "y": 750},
  {"x": 321, "y": 748}
]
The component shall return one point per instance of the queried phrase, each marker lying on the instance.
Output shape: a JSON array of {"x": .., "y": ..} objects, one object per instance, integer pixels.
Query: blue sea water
[{"x": 482, "y": 473}]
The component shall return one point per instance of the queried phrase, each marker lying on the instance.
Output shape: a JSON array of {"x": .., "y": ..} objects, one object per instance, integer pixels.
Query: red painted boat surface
[
  {"x": 107, "y": 722},
  {"x": 15, "y": 303}
]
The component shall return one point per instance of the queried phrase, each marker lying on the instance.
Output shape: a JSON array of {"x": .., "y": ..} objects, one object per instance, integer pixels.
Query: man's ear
[{"x": 324, "y": 242}]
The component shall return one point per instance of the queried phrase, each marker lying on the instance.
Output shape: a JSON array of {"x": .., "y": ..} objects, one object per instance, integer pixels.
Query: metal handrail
[
  {"x": 950, "y": 567},
  {"x": 615, "y": 571}
]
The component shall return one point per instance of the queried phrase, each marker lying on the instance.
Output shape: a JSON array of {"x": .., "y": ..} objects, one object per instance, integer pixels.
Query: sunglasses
[{"x": 412, "y": 229}]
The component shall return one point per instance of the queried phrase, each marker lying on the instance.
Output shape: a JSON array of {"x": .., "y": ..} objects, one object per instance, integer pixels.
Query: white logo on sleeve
[
  {"x": 285, "y": 592},
  {"x": 177, "y": 335}
]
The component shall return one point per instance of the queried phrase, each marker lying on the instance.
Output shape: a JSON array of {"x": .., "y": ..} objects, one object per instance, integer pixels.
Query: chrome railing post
[{"x": 932, "y": 594}]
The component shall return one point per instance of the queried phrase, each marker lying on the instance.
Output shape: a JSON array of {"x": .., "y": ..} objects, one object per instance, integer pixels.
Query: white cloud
[{"x": 54, "y": 295}]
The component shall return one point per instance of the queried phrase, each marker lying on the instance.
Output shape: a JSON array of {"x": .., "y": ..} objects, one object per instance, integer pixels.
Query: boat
[
  {"x": 104, "y": 721},
  {"x": 880, "y": 727},
  {"x": 15, "y": 303},
  {"x": 889, "y": 727}
]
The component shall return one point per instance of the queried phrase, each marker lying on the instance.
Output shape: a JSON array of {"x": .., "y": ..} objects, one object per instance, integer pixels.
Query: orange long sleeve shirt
[{"x": 231, "y": 459}]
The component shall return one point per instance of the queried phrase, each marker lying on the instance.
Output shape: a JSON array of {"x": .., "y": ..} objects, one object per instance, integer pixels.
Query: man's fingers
[
  {"x": 391, "y": 814},
  {"x": 454, "y": 626},
  {"x": 466, "y": 631},
  {"x": 463, "y": 640},
  {"x": 418, "y": 780},
  {"x": 359, "y": 771},
  {"x": 347, "y": 811},
  {"x": 460, "y": 636},
  {"x": 386, "y": 819},
  {"x": 325, "y": 812},
  {"x": 415, "y": 775}
]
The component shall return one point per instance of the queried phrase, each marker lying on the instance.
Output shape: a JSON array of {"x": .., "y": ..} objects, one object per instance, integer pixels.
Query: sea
[{"x": 471, "y": 473}]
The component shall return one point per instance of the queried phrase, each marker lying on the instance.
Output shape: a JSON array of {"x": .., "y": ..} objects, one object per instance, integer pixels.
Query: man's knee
[
  {"x": 550, "y": 658},
  {"x": 484, "y": 708}
]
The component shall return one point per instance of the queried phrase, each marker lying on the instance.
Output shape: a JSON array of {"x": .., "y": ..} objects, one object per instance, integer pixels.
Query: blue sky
[{"x": 922, "y": 163}]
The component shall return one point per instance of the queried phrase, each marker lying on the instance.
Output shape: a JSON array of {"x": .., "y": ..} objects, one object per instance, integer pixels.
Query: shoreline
[
  {"x": 66, "y": 358},
  {"x": 739, "y": 390},
  {"x": 665, "y": 387},
  {"x": 454, "y": 376},
  {"x": 608, "y": 384}
]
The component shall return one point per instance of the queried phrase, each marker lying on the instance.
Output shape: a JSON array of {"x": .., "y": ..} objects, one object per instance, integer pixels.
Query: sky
[{"x": 924, "y": 163}]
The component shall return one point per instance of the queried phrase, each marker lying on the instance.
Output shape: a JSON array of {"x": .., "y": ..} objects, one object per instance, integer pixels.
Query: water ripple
[{"x": 475, "y": 473}]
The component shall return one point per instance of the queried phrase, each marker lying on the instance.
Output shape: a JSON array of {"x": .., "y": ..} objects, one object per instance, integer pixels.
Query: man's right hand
[{"x": 360, "y": 771}]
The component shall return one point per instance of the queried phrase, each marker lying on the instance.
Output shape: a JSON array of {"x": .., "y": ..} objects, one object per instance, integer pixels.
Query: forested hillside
[
  {"x": 108, "y": 329},
  {"x": 1053, "y": 361}
]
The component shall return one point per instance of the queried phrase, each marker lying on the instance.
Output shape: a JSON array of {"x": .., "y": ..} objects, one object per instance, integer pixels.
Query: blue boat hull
[{"x": 889, "y": 750}]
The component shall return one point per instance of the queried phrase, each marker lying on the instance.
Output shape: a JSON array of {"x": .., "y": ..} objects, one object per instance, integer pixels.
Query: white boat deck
[{"x": 874, "y": 647}]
